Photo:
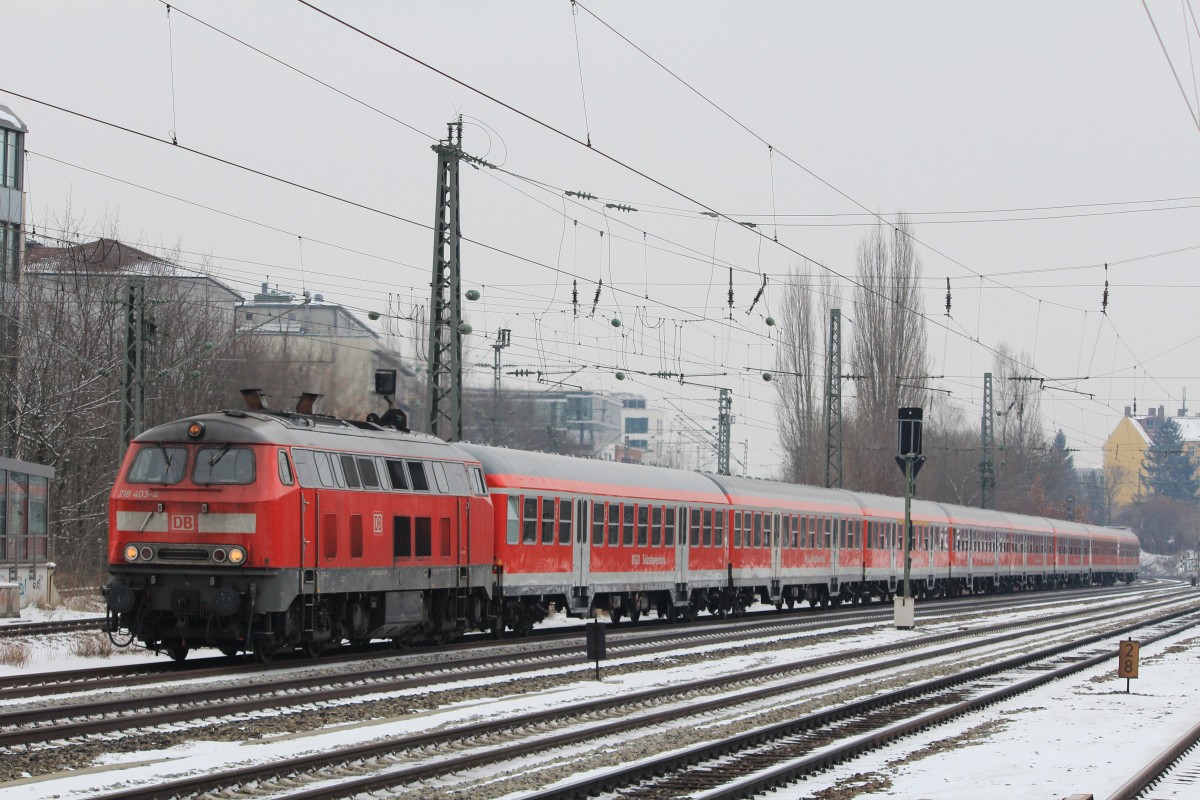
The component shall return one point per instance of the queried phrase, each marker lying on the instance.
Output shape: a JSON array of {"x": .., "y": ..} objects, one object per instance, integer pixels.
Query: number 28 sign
[{"x": 1127, "y": 660}]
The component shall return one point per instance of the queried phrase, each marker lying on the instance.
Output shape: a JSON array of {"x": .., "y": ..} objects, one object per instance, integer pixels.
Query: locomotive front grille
[{"x": 182, "y": 554}]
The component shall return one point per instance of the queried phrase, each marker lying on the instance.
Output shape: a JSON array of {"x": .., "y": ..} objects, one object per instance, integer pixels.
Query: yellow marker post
[{"x": 1127, "y": 661}]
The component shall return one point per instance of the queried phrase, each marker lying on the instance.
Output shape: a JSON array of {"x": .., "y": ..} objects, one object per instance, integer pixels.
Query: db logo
[
  {"x": 378, "y": 522},
  {"x": 181, "y": 523}
]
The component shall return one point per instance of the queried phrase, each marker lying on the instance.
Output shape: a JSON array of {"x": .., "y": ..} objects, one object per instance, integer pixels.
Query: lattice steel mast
[{"x": 445, "y": 303}]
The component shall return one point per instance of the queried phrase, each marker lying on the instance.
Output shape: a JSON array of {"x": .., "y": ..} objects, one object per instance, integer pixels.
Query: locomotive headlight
[
  {"x": 195, "y": 430},
  {"x": 131, "y": 552},
  {"x": 237, "y": 555},
  {"x": 219, "y": 555},
  {"x": 147, "y": 554}
]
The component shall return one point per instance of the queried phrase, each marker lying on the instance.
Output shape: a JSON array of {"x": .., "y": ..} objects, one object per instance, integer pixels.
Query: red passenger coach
[{"x": 587, "y": 535}]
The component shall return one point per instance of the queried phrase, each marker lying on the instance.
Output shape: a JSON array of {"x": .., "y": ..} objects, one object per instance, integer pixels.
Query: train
[{"x": 259, "y": 531}]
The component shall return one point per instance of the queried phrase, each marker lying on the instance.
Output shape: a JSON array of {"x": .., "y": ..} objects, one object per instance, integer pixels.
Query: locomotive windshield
[
  {"x": 156, "y": 463},
  {"x": 224, "y": 464}
]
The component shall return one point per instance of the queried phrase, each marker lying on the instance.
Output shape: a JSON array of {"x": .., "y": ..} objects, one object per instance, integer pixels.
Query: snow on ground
[
  {"x": 1081, "y": 735},
  {"x": 1084, "y": 734}
]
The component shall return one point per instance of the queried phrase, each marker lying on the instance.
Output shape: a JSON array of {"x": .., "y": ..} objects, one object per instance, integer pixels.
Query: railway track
[
  {"x": 94, "y": 679},
  {"x": 225, "y": 690},
  {"x": 557, "y": 733},
  {"x": 19, "y": 628},
  {"x": 1173, "y": 775}
]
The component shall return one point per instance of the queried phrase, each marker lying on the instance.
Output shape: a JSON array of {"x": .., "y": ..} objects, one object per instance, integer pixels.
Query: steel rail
[{"x": 348, "y": 787}]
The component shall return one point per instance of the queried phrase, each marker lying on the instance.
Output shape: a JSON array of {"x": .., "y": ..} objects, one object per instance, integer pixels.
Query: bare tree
[
  {"x": 889, "y": 349},
  {"x": 798, "y": 365},
  {"x": 68, "y": 388}
]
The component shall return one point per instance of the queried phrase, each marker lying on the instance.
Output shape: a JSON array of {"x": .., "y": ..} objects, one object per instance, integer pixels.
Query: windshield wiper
[{"x": 217, "y": 456}]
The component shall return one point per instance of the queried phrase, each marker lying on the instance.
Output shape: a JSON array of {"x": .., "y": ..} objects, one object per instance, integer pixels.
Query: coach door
[
  {"x": 776, "y": 552},
  {"x": 681, "y": 544},
  {"x": 583, "y": 552}
]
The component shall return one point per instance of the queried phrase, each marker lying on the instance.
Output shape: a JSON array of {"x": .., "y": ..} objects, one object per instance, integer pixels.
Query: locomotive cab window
[
  {"x": 223, "y": 465},
  {"x": 158, "y": 464},
  {"x": 477, "y": 483},
  {"x": 285, "y": 469}
]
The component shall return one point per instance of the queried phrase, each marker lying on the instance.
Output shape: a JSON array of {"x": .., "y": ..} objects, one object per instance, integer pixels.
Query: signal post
[{"x": 910, "y": 460}]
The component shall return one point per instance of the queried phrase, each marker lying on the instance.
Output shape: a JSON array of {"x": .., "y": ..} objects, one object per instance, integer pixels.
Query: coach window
[
  {"x": 614, "y": 524},
  {"x": 395, "y": 470},
  {"x": 787, "y": 531},
  {"x": 669, "y": 527},
  {"x": 368, "y": 473},
  {"x": 757, "y": 541},
  {"x": 627, "y": 527},
  {"x": 514, "y": 520},
  {"x": 597, "y": 523},
  {"x": 708, "y": 537},
  {"x": 439, "y": 476},
  {"x": 643, "y": 524},
  {"x": 223, "y": 465},
  {"x": 564, "y": 521},
  {"x": 656, "y": 526},
  {"x": 529, "y": 522},
  {"x": 401, "y": 537},
  {"x": 719, "y": 528},
  {"x": 767, "y": 530},
  {"x": 695, "y": 527},
  {"x": 424, "y": 537},
  {"x": 548, "y": 504},
  {"x": 350, "y": 470},
  {"x": 737, "y": 529},
  {"x": 417, "y": 477}
]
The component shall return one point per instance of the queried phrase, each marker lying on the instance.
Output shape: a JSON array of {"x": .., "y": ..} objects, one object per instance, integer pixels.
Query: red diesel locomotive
[{"x": 263, "y": 530}]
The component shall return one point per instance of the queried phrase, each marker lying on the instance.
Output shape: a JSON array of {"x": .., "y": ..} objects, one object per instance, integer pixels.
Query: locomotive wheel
[
  {"x": 177, "y": 652},
  {"x": 264, "y": 654},
  {"x": 635, "y": 615},
  {"x": 229, "y": 651},
  {"x": 313, "y": 649}
]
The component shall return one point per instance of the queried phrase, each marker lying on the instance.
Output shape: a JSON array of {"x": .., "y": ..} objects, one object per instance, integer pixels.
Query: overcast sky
[{"x": 1030, "y": 143}]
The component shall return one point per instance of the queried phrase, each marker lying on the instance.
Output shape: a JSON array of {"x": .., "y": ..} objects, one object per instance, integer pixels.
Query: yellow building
[{"x": 1125, "y": 450}]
